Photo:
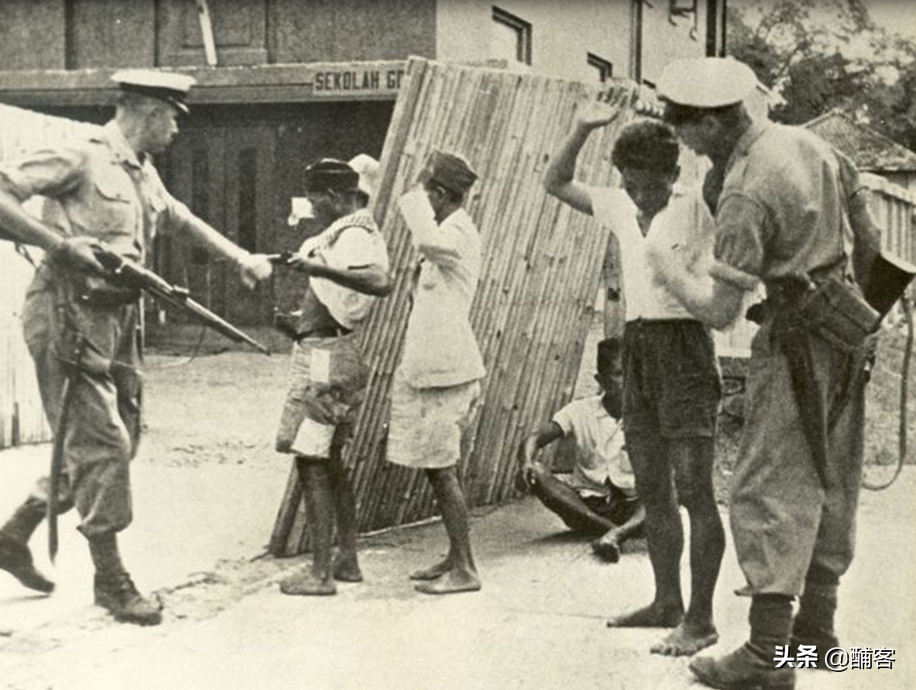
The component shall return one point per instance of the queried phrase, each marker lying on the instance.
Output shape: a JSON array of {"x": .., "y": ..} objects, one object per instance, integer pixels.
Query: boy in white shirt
[
  {"x": 670, "y": 373},
  {"x": 598, "y": 497}
]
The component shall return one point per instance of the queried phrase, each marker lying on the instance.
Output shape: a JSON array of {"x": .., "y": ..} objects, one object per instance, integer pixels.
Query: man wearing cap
[
  {"x": 437, "y": 381},
  {"x": 80, "y": 327},
  {"x": 782, "y": 218},
  {"x": 670, "y": 375},
  {"x": 346, "y": 262}
]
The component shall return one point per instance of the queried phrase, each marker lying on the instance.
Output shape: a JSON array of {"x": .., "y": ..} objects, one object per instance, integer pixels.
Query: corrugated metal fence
[{"x": 21, "y": 417}]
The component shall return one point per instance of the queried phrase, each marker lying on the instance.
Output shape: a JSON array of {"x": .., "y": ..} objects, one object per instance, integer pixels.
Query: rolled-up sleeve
[
  {"x": 741, "y": 233},
  {"x": 48, "y": 172}
]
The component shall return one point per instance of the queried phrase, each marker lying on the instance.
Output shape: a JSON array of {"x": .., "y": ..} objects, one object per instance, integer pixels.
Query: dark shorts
[
  {"x": 617, "y": 506},
  {"x": 670, "y": 378}
]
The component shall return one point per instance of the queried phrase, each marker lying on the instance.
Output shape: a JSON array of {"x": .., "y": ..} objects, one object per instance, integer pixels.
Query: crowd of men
[{"x": 779, "y": 206}]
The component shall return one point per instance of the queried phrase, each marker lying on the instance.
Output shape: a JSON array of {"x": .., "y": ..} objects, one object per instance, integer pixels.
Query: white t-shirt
[
  {"x": 684, "y": 225},
  {"x": 600, "y": 454}
]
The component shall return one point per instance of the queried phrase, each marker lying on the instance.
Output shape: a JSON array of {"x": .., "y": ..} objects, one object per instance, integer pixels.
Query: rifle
[{"x": 132, "y": 275}]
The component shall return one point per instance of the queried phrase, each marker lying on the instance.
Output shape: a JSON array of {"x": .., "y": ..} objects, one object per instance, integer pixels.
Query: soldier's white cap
[
  {"x": 367, "y": 168},
  {"x": 706, "y": 82},
  {"x": 167, "y": 86}
]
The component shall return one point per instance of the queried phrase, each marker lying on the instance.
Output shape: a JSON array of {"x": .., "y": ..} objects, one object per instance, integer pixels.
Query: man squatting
[
  {"x": 785, "y": 217},
  {"x": 347, "y": 267},
  {"x": 80, "y": 326},
  {"x": 670, "y": 373}
]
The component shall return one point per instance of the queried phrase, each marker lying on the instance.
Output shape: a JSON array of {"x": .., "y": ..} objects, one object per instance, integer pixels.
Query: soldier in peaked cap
[
  {"x": 436, "y": 383},
  {"x": 346, "y": 263},
  {"x": 79, "y": 326},
  {"x": 783, "y": 218}
]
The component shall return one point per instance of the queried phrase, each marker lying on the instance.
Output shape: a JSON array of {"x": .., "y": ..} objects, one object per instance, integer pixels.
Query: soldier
[
  {"x": 437, "y": 381},
  {"x": 347, "y": 264},
  {"x": 80, "y": 327},
  {"x": 782, "y": 219}
]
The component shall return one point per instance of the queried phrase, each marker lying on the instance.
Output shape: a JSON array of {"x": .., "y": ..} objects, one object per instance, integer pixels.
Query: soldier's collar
[
  {"x": 121, "y": 146},
  {"x": 750, "y": 135}
]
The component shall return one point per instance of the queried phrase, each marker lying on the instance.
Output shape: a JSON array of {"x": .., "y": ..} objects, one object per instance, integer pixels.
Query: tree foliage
[{"x": 819, "y": 56}]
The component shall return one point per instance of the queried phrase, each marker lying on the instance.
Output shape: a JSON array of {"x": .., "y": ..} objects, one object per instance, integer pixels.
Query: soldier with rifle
[{"x": 81, "y": 318}]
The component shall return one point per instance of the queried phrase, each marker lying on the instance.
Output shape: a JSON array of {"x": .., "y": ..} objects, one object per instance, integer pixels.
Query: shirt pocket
[{"x": 112, "y": 205}]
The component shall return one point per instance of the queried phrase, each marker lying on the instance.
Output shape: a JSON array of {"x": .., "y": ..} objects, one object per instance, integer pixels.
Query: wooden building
[{"x": 282, "y": 83}]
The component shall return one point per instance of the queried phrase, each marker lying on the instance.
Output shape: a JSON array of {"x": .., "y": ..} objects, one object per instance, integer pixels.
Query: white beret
[
  {"x": 706, "y": 82},
  {"x": 168, "y": 86}
]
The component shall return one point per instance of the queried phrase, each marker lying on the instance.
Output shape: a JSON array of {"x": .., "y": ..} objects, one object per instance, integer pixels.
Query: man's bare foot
[
  {"x": 608, "y": 551},
  {"x": 307, "y": 583},
  {"x": 451, "y": 582},
  {"x": 346, "y": 568},
  {"x": 686, "y": 640},
  {"x": 652, "y": 616},
  {"x": 433, "y": 572}
]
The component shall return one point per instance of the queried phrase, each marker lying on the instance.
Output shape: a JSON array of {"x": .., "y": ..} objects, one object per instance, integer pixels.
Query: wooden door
[{"x": 225, "y": 176}]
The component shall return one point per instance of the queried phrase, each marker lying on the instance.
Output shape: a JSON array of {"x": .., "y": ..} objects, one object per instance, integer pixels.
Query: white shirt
[
  {"x": 351, "y": 241},
  {"x": 684, "y": 225},
  {"x": 600, "y": 454}
]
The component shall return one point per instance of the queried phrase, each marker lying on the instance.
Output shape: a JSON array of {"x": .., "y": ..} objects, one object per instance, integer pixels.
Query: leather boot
[
  {"x": 742, "y": 670},
  {"x": 118, "y": 594},
  {"x": 114, "y": 590},
  {"x": 813, "y": 625},
  {"x": 15, "y": 557},
  {"x": 753, "y": 666}
]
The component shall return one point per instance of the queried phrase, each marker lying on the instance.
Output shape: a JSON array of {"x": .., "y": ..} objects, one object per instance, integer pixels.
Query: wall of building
[
  {"x": 564, "y": 33},
  {"x": 666, "y": 37},
  {"x": 465, "y": 30},
  {"x": 138, "y": 33}
]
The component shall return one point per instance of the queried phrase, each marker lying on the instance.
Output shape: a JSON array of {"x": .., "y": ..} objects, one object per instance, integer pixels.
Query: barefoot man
[
  {"x": 598, "y": 497},
  {"x": 670, "y": 375},
  {"x": 437, "y": 380}
]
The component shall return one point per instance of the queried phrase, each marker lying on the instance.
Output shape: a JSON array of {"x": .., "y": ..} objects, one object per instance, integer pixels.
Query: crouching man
[
  {"x": 598, "y": 498},
  {"x": 347, "y": 267}
]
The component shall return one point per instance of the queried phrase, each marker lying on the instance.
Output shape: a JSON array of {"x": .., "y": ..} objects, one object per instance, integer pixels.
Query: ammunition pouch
[
  {"x": 98, "y": 291},
  {"x": 833, "y": 310},
  {"x": 836, "y": 311}
]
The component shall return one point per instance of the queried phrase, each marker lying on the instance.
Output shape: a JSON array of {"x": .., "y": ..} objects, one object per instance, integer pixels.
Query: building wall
[
  {"x": 465, "y": 30},
  {"x": 605, "y": 28},
  {"x": 74, "y": 34}
]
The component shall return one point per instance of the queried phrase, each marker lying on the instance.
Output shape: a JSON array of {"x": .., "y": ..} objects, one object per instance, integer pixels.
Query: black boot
[
  {"x": 813, "y": 626},
  {"x": 15, "y": 557},
  {"x": 118, "y": 594},
  {"x": 753, "y": 666},
  {"x": 114, "y": 590}
]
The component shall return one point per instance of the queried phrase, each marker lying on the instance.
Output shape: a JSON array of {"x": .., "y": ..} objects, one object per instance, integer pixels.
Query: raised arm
[{"x": 559, "y": 180}]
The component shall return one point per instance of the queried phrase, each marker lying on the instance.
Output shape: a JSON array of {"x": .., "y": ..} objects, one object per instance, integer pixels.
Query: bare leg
[
  {"x": 664, "y": 534},
  {"x": 319, "y": 504},
  {"x": 346, "y": 564},
  {"x": 693, "y": 460},
  {"x": 608, "y": 546},
  {"x": 461, "y": 575},
  {"x": 568, "y": 505}
]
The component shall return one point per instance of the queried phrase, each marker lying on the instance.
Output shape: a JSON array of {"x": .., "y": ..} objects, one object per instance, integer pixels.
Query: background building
[{"x": 284, "y": 82}]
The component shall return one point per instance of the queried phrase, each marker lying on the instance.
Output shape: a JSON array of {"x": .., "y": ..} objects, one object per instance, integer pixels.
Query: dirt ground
[{"x": 208, "y": 485}]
